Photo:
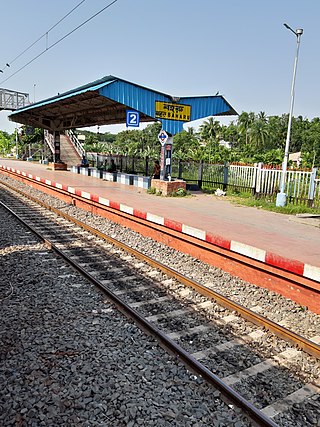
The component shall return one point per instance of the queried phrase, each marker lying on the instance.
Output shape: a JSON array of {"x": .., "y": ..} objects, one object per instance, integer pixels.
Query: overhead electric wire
[
  {"x": 58, "y": 41},
  {"x": 8, "y": 64}
]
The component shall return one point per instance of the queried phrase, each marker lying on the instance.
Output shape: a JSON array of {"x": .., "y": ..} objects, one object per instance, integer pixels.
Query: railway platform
[{"x": 252, "y": 232}]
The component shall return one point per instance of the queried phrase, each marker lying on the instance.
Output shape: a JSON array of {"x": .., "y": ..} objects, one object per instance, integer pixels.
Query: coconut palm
[
  {"x": 210, "y": 129},
  {"x": 245, "y": 121}
]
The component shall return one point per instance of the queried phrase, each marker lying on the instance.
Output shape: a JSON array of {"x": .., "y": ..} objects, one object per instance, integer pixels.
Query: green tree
[
  {"x": 245, "y": 121},
  {"x": 210, "y": 129},
  {"x": 185, "y": 143},
  {"x": 6, "y": 143},
  {"x": 259, "y": 134}
]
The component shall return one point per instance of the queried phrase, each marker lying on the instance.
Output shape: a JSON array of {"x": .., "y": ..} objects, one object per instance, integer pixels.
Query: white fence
[{"x": 300, "y": 185}]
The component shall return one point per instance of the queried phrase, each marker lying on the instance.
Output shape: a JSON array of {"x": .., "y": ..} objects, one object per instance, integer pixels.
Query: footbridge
[{"x": 13, "y": 100}]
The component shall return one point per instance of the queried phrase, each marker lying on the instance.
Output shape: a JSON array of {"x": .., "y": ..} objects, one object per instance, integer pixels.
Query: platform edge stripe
[
  {"x": 173, "y": 225},
  {"x": 249, "y": 251},
  {"x": 218, "y": 241},
  {"x": 114, "y": 205},
  {"x": 126, "y": 209},
  {"x": 293, "y": 266},
  {"x": 58, "y": 185},
  {"x": 94, "y": 197},
  {"x": 48, "y": 181},
  {"x": 71, "y": 190},
  {"x": 194, "y": 232},
  {"x": 155, "y": 218},
  {"x": 311, "y": 272},
  {"x": 85, "y": 195},
  {"x": 104, "y": 201},
  {"x": 139, "y": 214}
]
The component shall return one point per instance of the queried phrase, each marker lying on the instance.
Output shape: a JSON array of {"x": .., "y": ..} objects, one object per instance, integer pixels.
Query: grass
[
  {"x": 179, "y": 193},
  {"x": 269, "y": 204}
]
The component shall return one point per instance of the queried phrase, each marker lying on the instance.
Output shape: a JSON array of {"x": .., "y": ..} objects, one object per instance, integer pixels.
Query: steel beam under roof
[{"x": 106, "y": 101}]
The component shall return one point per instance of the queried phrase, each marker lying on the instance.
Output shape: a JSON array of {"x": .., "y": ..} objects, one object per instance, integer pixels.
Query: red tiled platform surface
[{"x": 244, "y": 227}]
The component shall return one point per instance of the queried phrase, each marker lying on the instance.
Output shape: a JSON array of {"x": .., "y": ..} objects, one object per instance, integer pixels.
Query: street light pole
[{"x": 282, "y": 196}]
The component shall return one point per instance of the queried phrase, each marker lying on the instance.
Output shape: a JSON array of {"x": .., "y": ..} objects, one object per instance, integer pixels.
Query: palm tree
[
  {"x": 210, "y": 129},
  {"x": 262, "y": 116},
  {"x": 245, "y": 121},
  {"x": 259, "y": 134}
]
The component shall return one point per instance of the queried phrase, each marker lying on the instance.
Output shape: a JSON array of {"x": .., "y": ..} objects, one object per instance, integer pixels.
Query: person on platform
[
  {"x": 156, "y": 170},
  {"x": 112, "y": 167},
  {"x": 84, "y": 162}
]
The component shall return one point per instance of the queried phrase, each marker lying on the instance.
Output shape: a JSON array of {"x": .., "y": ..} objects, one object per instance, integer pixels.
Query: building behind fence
[{"x": 302, "y": 187}]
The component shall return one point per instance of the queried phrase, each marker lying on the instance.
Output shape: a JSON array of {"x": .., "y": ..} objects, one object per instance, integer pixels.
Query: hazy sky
[{"x": 180, "y": 47}]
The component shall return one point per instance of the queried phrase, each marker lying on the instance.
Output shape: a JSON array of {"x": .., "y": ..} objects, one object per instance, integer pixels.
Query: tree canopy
[{"x": 250, "y": 138}]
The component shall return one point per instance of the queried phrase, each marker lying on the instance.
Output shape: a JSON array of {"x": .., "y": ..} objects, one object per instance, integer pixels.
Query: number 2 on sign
[{"x": 132, "y": 119}]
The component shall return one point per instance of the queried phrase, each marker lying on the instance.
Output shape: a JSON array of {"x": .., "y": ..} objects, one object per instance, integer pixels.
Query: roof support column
[{"x": 56, "y": 154}]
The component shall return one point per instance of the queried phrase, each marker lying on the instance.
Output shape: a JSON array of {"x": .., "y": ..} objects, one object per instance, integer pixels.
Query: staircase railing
[
  {"x": 49, "y": 139},
  {"x": 75, "y": 142}
]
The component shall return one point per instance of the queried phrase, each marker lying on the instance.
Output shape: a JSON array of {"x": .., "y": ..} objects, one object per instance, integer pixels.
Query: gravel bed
[
  {"x": 198, "y": 341},
  {"x": 304, "y": 414},
  {"x": 180, "y": 324},
  {"x": 228, "y": 363},
  {"x": 273, "y": 305},
  {"x": 68, "y": 358},
  {"x": 256, "y": 391},
  {"x": 149, "y": 294}
]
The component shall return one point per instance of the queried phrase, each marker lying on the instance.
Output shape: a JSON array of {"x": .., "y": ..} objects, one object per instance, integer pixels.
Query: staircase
[{"x": 68, "y": 153}]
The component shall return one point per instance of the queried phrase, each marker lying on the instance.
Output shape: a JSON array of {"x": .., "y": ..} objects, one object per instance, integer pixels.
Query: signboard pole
[{"x": 166, "y": 155}]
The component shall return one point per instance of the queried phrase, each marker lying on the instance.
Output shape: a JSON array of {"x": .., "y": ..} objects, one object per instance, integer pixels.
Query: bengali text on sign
[{"x": 167, "y": 110}]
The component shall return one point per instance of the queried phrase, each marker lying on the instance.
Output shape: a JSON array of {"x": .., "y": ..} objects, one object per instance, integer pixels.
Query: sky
[{"x": 179, "y": 47}]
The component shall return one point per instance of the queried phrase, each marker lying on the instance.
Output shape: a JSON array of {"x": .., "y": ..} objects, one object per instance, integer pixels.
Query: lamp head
[{"x": 298, "y": 32}]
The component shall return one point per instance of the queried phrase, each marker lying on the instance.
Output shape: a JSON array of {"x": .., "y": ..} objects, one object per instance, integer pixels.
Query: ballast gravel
[
  {"x": 269, "y": 303},
  {"x": 69, "y": 358}
]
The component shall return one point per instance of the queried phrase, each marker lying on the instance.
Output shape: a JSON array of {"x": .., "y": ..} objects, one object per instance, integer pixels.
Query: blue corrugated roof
[
  {"x": 82, "y": 89},
  {"x": 130, "y": 96}
]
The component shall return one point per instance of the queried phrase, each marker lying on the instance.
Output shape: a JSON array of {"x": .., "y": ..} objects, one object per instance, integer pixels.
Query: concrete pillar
[{"x": 56, "y": 155}]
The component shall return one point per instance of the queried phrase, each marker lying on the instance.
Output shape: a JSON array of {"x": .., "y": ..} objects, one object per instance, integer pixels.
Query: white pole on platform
[{"x": 282, "y": 196}]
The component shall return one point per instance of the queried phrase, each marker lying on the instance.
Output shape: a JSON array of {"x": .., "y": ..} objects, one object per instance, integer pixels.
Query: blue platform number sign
[{"x": 133, "y": 118}]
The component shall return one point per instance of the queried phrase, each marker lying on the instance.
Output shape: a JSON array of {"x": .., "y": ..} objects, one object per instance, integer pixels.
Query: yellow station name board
[{"x": 166, "y": 110}]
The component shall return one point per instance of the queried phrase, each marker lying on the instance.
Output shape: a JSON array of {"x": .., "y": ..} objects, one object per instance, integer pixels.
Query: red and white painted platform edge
[{"x": 269, "y": 258}]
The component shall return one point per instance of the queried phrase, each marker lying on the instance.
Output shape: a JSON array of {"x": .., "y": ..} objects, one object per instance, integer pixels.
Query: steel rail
[
  {"x": 301, "y": 342},
  {"x": 251, "y": 411},
  {"x": 284, "y": 275}
]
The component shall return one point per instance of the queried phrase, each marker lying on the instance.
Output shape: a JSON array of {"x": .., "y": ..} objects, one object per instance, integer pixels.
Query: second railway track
[{"x": 254, "y": 362}]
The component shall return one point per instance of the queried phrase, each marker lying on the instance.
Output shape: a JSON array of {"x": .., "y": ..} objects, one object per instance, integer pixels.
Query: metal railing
[
  {"x": 12, "y": 100},
  {"x": 75, "y": 142},
  {"x": 302, "y": 187},
  {"x": 49, "y": 140}
]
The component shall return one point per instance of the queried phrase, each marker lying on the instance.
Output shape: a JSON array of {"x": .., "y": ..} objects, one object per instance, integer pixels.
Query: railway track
[{"x": 238, "y": 357}]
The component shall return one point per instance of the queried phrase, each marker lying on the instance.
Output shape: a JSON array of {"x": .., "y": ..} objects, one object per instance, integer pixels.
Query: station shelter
[{"x": 111, "y": 100}]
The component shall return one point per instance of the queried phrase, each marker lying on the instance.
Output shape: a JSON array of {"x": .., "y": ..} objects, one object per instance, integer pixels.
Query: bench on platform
[{"x": 120, "y": 177}]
